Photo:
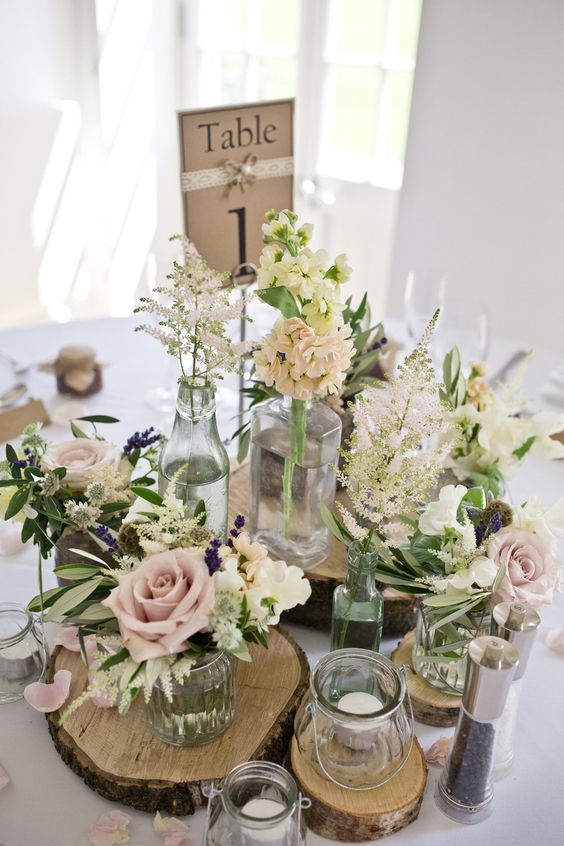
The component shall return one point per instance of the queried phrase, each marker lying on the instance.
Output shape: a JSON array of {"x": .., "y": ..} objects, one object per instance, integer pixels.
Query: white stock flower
[
  {"x": 480, "y": 574},
  {"x": 442, "y": 514},
  {"x": 548, "y": 523},
  {"x": 228, "y": 579},
  {"x": 287, "y": 586}
]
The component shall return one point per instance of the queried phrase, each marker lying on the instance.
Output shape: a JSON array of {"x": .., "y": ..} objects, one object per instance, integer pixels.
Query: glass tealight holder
[
  {"x": 355, "y": 727},
  {"x": 23, "y": 651},
  {"x": 259, "y": 805}
]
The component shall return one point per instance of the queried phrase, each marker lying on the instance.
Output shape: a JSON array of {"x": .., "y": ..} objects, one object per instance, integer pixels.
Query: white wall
[{"x": 483, "y": 196}]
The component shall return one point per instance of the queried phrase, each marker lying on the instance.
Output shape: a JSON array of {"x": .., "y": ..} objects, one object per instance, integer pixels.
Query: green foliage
[{"x": 282, "y": 299}]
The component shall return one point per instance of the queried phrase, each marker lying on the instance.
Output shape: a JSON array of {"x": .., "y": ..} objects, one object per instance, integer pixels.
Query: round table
[{"x": 48, "y": 805}]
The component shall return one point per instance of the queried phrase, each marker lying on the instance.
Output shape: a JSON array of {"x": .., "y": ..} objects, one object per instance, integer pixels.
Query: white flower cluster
[
  {"x": 391, "y": 463},
  {"x": 497, "y": 432},
  {"x": 268, "y": 587},
  {"x": 82, "y": 514},
  {"x": 192, "y": 312},
  {"x": 311, "y": 277}
]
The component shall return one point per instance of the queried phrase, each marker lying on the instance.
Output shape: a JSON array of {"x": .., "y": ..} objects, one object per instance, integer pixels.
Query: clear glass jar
[
  {"x": 293, "y": 445},
  {"x": 439, "y": 651},
  {"x": 200, "y": 708},
  {"x": 358, "y": 605},
  {"x": 23, "y": 651},
  {"x": 259, "y": 805},
  {"x": 353, "y": 727},
  {"x": 195, "y": 456}
]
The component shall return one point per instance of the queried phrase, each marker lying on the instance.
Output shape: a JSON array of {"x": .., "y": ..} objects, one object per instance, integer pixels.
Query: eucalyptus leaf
[
  {"x": 282, "y": 299},
  {"x": 71, "y": 598},
  {"x": 98, "y": 418},
  {"x": 244, "y": 444},
  {"x": 148, "y": 495},
  {"x": 77, "y": 431},
  {"x": 335, "y": 527},
  {"x": 17, "y": 502},
  {"x": 459, "y": 611}
]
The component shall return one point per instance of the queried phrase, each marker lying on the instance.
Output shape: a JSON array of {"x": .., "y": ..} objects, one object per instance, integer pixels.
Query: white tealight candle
[
  {"x": 359, "y": 703},
  {"x": 351, "y": 734},
  {"x": 266, "y": 809}
]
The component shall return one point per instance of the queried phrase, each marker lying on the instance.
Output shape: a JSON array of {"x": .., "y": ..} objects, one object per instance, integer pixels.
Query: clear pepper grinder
[
  {"x": 465, "y": 790},
  {"x": 516, "y": 622}
]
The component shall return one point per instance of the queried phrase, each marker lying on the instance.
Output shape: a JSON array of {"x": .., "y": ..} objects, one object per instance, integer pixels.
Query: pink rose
[
  {"x": 81, "y": 457},
  {"x": 162, "y": 603},
  {"x": 532, "y": 572}
]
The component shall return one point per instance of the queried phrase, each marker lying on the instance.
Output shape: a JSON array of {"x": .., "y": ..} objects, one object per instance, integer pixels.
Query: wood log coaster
[
  {"x": 360, "y": 815},
  {"x": 431, "y": 706},
  {"x": 400, "y": 609},
  {"x": 120, "y": 759}
]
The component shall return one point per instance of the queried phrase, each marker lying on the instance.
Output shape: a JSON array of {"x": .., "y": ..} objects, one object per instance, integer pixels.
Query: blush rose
[
  {"x": 162, "y": 603},
  {"x": 532, "y": 572},
  {"x": 81, "y": 457}
]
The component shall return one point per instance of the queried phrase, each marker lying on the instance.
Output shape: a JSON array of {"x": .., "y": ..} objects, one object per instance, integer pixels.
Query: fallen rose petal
[
  {"x": 10, "y": 538},
  {"x": 555, "y": 640},
  {"x": 47, "y": 697},
  {"x": 439, "y": 751},
  {"x": 175, "y": 831},
  {"x": 109, "y": 829},
  {"x": 169, "y": 825},
  {"x": 4, "y": 777},
  {"x": 177, "y": 839}
]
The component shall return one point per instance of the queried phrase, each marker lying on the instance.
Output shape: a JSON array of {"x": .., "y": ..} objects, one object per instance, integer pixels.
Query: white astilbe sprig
[
  {"x": 393, "y": 459},
  {"x": 192, "y": 312}
]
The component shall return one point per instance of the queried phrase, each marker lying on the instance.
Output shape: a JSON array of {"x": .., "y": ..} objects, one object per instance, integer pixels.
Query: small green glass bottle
[{"x": 358, "y": 605}]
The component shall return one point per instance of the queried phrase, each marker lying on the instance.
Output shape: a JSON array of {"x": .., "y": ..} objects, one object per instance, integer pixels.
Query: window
[{"x": 352, "y": 61}]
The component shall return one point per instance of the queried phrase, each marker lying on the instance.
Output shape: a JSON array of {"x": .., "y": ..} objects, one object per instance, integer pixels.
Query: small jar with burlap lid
[{"x": 77, "y": 371}]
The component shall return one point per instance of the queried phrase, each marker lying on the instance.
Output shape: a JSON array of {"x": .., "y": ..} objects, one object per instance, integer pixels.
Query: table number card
[{"x": 237, "y": 163}]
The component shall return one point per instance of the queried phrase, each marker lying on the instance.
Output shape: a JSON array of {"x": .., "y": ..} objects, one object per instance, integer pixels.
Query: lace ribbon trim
[{"x": 242, "y": 174}]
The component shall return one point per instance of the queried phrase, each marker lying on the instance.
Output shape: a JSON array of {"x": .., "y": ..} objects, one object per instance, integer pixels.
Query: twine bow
[{"x": 241, "y": 173}]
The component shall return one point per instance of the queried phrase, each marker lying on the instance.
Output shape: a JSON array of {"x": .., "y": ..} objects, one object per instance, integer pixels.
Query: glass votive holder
[
  {"x": 258, "y": 805},
  {"x": 23, "y": 651},
  {"x": 353, "y": 727}
]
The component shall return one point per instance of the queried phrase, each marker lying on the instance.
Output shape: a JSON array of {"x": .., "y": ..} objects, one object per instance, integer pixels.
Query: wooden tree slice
[
  {"x": 120, "y": 759},
  {"x": 400, "y": 609},
  {"x": 430, "y": 705},
  {"x": 360, "y": 815}
]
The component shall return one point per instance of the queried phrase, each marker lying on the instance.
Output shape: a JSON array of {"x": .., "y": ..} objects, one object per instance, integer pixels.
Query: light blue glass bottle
[{"x": 358, "y": 605}]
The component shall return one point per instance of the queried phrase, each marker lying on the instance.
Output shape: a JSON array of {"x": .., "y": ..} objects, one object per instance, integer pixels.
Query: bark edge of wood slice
[
  {"x": 431, "y": 706},
  {"x": 400, "y": 609},
  {"x": 360, "y": 815},
  {"x": 120, "y": 759}
]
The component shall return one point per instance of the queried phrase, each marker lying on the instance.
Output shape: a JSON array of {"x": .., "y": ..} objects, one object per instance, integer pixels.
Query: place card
[{"x": 14, "y": 420}]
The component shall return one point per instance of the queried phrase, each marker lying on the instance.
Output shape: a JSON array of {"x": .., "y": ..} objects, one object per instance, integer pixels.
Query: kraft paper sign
[
  {"x": 14, "y": 421},
  {"x": 237, "y": 163}
]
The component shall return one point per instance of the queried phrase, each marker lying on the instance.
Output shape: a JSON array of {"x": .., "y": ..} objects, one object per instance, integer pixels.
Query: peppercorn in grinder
[{"x": 465, "y": 790}]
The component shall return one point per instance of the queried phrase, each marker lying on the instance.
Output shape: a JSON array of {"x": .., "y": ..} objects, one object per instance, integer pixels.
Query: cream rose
[
  {"x": 532, "y": 572},
  {"x": 162, "y": 603},
  {"x": 81, "y": 457}
]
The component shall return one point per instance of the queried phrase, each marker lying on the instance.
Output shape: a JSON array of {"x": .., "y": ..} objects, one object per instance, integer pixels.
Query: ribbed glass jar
[
  {"x": 439, "y": 651},
  {"x": 200, "y": 708}
]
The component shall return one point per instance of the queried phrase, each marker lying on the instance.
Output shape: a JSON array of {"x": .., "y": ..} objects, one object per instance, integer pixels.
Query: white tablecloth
[{"x": 46, "y": 804}]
